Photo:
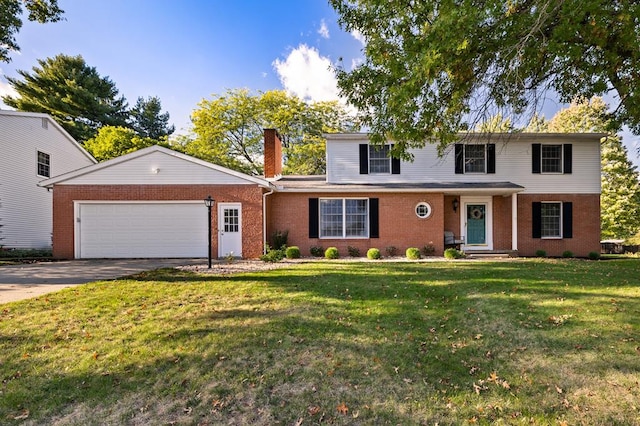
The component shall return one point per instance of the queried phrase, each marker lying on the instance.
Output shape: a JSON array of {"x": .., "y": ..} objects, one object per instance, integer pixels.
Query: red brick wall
[
  {"x": 451, "y": 218},
  {"x": 399, "y": 225},
  {"x": 501, "y": 223},
  {"x": 272, "y": 153},
  {"x": 586, "y": 225},
  {"x": 249, "y": 195}
]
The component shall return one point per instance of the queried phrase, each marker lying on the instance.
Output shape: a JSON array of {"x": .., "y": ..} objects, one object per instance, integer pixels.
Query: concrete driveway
[{"x": 18, "y": 282}]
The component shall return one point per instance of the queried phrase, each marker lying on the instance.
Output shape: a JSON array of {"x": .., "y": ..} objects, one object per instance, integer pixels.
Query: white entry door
[{"x": 230, "y": 229}]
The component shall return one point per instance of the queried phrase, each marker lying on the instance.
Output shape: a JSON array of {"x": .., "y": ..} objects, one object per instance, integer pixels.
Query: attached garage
[{"x": 131, "y": 230}]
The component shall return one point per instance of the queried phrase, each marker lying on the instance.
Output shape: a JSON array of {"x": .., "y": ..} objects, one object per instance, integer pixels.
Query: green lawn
[{"x": 543, "y": 342}]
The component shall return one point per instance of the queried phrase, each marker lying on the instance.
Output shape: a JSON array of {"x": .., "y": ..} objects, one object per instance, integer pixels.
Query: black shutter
[
  {"x": 491, "y": 158},
  {"x": 535, "y": 157},
  {"x": 364, "y": 159},
  {"x": 314, "y": 218},
  {"x": 567, "y": 220},
  {"x": 395, "y": 166},
  {"x": 374, "y": 218},
  {"x": 536, "y": 219},
  {"x": 567, "y": 158},
  {"x": 459, "y": 152}
]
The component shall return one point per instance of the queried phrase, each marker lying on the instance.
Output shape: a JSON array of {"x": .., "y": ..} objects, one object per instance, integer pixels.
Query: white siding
[
  {"x": 26, "y": 208},
  {"x": 141, "y": 170},
  {"x": 513, "y": 164}
]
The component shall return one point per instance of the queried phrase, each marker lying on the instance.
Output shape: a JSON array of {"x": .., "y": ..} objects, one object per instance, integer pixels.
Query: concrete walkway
[{"x": 18, "y": 282}]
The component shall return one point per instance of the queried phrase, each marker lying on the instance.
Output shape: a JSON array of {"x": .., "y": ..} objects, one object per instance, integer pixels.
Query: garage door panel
[{"x": 121, "y": 230}]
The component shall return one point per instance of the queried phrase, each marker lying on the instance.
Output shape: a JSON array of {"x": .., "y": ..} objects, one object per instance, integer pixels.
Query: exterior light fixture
[
  {"x": 455, "y": 204},
  {"x": 209, "y": 203}
]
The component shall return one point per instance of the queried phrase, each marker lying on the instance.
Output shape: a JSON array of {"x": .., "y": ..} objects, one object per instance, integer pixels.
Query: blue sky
[{"x": 188, "y": 50}]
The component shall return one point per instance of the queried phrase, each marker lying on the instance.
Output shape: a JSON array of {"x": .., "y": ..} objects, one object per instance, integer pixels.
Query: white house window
[
  {"x": 551, "y": 220},
  {"x": 344, "y": 218},
  {"x": 379, "y": 159},
  {"x": 474, "y": 158},
  {"x": 423, "y": 210},
  {"x": 45, "y": 123},
  {"x": 44, "y": 164},
  {"x": 551, "y": 158}
]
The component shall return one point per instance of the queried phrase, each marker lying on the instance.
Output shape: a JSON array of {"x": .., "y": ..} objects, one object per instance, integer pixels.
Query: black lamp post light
[{"x": 209, "y": 203}]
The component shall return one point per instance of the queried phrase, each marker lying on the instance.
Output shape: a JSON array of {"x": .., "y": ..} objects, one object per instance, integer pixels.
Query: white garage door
[{"x": 134, "y": 230}]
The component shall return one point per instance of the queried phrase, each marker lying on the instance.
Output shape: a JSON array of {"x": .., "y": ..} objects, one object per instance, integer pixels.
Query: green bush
[
  {"x": 391, "y": 251},
  {"x": 567, "y": 254},
  {"x": 594, "y": 255},
  {"x": 292, "y": 252},
  {"x": 353, "y": 251},
  {"x": 452, "y": 253},
  {"x": 316, "y": 251},
  {"x": 413, "y": 253},
  {"x": 373, "y": 254},
  {"x": 332, "y": 253},
  {"x": 541, "y": 253},
  {"x": 273, "y": 255},
  {"x": 24, "y": 253},
  {"x": 428, "y": 249},
  {"x": 280, "y": 239}
]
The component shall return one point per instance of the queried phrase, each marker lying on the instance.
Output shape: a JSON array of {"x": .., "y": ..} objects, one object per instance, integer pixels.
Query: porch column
[{"x": 514, "y": 221}]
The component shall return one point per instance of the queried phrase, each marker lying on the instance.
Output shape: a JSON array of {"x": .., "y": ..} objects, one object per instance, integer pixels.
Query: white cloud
[
  {"x": 323, "y": 30},
  {"x": 307, "y": 75},
  {"x": 358, "y": 36}
]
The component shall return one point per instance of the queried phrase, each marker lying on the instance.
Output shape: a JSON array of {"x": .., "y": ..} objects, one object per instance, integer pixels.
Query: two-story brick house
[{"x": 500, "y": 192}]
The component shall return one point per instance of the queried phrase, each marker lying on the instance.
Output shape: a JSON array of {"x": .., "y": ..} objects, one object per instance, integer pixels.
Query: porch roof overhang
[{"x": 310, "y": 184}]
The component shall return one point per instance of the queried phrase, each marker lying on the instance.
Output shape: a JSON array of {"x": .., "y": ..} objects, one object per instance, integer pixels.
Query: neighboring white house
[{"x": 33, "y": 147}]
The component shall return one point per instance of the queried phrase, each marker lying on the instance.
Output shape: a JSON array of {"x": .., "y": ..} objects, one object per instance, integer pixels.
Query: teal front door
[{"x": 476, "y": 224}]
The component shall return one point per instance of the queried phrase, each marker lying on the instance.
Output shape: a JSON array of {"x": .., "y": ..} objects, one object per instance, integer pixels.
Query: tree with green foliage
[
  {"x": 148, "y": 120},
  {"x": 73, "y": 93},
  {"x": 11, "y": 12},
  {"x": 228, "y": 130},
  {"x": 434, "y": 68},
  {"x": 620, "y": 193},
  {"x": 113, "y": 141}
]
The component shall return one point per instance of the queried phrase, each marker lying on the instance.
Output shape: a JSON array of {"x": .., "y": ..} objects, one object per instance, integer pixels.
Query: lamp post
[{"x": 209, "y": 203}]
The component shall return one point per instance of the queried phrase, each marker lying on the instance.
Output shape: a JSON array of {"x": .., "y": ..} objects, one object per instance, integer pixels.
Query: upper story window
[
  {"x": 375, "y": 159},
  {"x": 379, "y": 160},
  {"x": 551, "y": 158},
  {"x": 344, "y": 218},
  {"x": 475, "y": 158},
  {"x": 44, "y": 164}
]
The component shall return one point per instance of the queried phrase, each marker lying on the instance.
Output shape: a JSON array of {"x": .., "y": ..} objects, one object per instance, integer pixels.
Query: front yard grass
[{"x": 544, "y": 342}]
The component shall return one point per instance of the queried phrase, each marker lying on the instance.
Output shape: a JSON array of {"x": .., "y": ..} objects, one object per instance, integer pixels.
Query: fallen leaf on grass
[
  {"x": 24, "y": 414},
  {"x": 313, "y": 410},
  {"x": 342, "y": 408},
  {"x": 558, "y": 389}
]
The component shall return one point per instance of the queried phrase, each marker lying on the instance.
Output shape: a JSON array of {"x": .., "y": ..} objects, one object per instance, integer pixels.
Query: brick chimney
[{"x": 272, "y": 154}]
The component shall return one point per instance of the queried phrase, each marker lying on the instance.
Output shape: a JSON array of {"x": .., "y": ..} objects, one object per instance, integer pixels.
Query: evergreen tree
[{"x": 148, "y": 121}]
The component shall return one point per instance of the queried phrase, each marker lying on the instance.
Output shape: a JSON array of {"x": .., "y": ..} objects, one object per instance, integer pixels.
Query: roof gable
[{"x": 154, "y": 165}]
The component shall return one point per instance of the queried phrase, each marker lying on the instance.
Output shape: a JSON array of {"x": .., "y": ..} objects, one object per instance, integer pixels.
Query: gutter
[{"x": 264, "y": 219}]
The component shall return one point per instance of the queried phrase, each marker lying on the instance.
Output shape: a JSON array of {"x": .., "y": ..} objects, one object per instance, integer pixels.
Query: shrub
[
  {"x": 373, "y": 254},
  {"x": 332, "y": 253},
  {"x": 413, "y": 253},
  {"x": 316, "y": 251},
  {"x": 280, "y": 239},
  {"x": 567, "y": 254},
  {"x": 452, "y": 253},
  {"x": 594, "y": 255},
  {"x": 292, "y": 252},
  {"x": 391, "y": 251},
  {"x": 353, "y": 251},
  {"x": 541, "y": 253},
  {"x": 273, "y": 255},
  {"x": 428, "y": 249}
]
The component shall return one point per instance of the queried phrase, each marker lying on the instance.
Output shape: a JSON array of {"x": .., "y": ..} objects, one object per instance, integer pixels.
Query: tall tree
[
  {"x": 433, "y": 68},
  {"x": 72, "y": 92},
  {"x": 148, "y": 120},
  {"x": 41, "y": 11},
  {"x": 620, "y": 194},
  {"x": 113, "y": 141},
  {"x": 228, "y": 130}
]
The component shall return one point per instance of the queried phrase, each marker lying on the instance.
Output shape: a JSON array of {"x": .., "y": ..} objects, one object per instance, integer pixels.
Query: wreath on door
[{"x": 476, "y": 213}]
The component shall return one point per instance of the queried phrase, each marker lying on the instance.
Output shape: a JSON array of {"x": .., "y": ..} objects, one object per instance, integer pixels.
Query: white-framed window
[
  {"x": 475, "y": 158},
  {"x": 44, "y": 164},
  {"x": 379, "y": 159},
  {"x": 423, "y": 210},
  {"x": 344, "y": 218},
  {"x": 45, "y": 123},
  {"x": 551, "y": 220},
  {"x": 551, "y": 158}
]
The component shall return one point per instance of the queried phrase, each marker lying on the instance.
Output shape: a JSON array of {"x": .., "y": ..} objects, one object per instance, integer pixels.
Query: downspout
[{"x": 264, "y": 220}]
